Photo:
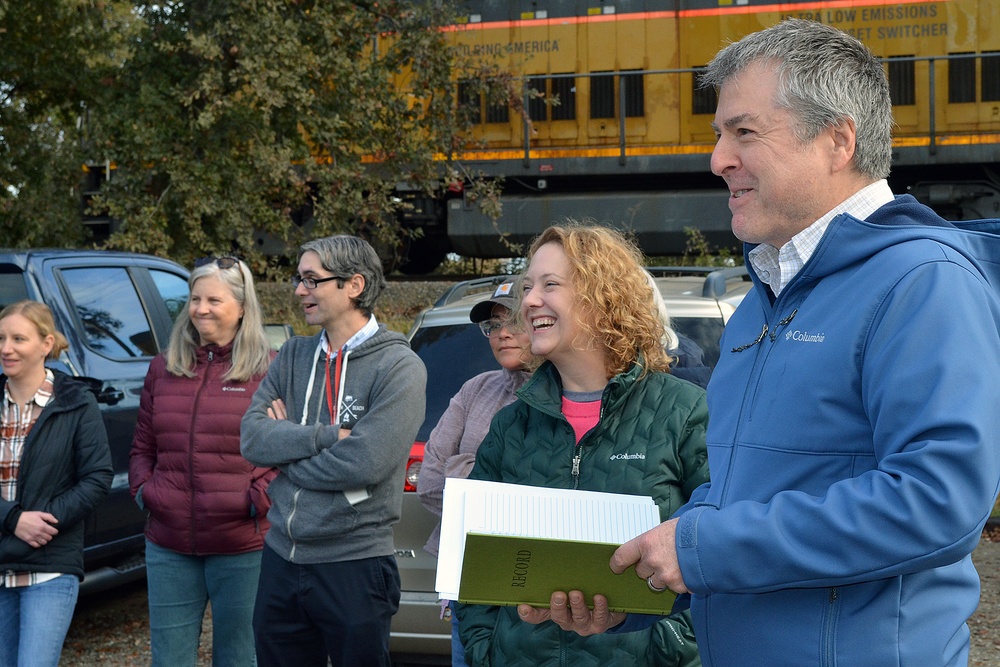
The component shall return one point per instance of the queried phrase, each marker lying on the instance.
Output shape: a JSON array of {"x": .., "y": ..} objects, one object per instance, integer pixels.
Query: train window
[
  {"x": 564, "y": 89},
  {"x": 602, "y": 95},
  {"x": 703, "y": 99},
  {"x": 497, "y": 112},
  {"x": 537, "y": 97},
  {"x": 902, "y": 82},
  {"x": 991, "y": 76},
  {"x": 468, "y": 101},
  {"x": 635, "y": 100},
  {"x": 557, "y": 99},
  {"x": 961, "y": 79}
]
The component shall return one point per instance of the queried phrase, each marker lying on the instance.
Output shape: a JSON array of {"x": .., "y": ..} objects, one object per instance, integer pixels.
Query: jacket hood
[
  {"x": 70, "y": 391},
  {"x": 849, "y": 241},
  {"x": 381, "y": 339}
]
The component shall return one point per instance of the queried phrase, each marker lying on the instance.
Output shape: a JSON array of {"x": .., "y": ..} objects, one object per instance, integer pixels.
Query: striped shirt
[
  {"x": 777, "y": 267},
  {"x": 15, "y": 424}
]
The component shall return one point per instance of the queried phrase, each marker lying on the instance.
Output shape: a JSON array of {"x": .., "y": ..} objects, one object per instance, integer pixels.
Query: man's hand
[
  {"x": 277, "y": 410},
  {"x": 654, "y": 554},
  {"x": 36, "y": 528},
  {"x": 575, "y": 616}
]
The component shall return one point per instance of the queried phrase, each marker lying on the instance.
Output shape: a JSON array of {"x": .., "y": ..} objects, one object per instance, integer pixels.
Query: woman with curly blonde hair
[
  {"x": 615, "y": 302},
  {"x": 602, "y": 413}
]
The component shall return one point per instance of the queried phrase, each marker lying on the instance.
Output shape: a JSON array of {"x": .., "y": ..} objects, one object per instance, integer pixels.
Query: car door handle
[{"x": 109, "y": 395}]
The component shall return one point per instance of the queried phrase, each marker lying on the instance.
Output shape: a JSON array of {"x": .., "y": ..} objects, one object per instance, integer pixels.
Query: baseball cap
[{"x": 503, "y": 295}]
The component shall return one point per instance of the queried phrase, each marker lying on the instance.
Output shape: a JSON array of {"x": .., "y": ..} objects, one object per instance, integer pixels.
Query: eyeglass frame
[
  {"x": 495, "y": 324},
  {"x": 297, "y": 280}
]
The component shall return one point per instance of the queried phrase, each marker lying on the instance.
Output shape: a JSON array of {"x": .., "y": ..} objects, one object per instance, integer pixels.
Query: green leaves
[{"x": 232, "y": 125}]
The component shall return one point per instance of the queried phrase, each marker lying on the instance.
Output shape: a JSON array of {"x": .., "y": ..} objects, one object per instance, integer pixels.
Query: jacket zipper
[
  {"x": 768, "y": 337},
  {"x": 191, "y": 475},
  {"x": 578, "y": 448},
  {"x": 576, "y": 466},
  {"x": 288, "y": 524},
  {"x": 829, "y": 629},
  {"x": 766, "y": 347}
]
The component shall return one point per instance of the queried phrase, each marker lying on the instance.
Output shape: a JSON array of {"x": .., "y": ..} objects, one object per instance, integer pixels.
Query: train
[{"x": 617, "y": 128}]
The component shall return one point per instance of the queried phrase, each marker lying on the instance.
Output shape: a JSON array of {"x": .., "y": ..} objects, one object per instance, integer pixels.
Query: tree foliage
[
  {"x": 225, "y": 120},
  {"x": 49, "y": 64}
]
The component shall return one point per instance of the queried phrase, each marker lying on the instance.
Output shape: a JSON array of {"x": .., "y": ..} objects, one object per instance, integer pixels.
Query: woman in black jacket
[{"x": 55, "y": 466}]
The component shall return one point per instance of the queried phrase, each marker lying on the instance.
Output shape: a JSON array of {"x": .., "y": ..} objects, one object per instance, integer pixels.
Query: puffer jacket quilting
[
  {"x": 202, "y": 496},
  {"x": 650, "y": 441}
]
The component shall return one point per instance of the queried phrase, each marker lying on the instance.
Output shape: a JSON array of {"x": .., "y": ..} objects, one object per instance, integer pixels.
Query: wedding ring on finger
[{"x": 655, "y": 589}]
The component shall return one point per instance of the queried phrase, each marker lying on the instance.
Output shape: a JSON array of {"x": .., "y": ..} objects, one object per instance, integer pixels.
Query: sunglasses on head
[{"x": 224, "y": 262}]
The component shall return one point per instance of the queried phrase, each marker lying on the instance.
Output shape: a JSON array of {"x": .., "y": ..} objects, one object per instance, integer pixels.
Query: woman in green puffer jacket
[{"x": 601, "y": 414}]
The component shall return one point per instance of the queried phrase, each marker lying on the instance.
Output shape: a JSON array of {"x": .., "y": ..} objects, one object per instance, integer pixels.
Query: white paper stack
[{"x": 494, "y": 508}]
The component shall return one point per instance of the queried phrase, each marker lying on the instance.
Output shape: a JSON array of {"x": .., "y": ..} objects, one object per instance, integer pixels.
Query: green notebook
[{"x": 506, "y": 570}]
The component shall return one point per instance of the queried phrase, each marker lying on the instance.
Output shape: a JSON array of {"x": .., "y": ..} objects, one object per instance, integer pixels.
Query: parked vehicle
[{"x": 700, "y": 302}]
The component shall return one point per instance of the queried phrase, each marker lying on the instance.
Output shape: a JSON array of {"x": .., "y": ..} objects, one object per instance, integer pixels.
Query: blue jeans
[
  {"x": 34, "y": 621},
  {"x": 181, "y": 585}
]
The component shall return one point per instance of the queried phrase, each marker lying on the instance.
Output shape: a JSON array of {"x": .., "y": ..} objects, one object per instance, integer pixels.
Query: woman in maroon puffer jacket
[{"x": 207, "y": 505}]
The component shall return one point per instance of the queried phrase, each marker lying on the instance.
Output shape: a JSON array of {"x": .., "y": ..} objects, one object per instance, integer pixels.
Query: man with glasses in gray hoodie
[{"x": 337, "y": 414}]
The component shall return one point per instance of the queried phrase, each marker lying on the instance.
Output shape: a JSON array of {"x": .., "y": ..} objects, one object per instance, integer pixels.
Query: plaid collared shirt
[
  {"x": 15, "y": 424},
  {"x": 777, "y": 267}
]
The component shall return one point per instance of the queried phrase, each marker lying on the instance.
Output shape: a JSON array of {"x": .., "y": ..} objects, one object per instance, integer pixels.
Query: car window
[
  {"x": 12, "y": 287},
  {"x": 452, "y": 355},
  {"x": 704, "y": 331},
  {"x": 174, "y": 290},
  {"x": 114, "y": 321}
]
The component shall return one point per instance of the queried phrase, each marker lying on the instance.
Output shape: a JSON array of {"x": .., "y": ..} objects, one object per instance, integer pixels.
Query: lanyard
[{"x": 335, "y": 391}]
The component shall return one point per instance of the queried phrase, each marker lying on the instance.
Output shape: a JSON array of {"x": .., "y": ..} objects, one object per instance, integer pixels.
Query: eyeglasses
[
  {"x": 312, "y": 283},
  {"x": 492, "y": 326},
  {"x": 224, "y": 262}
]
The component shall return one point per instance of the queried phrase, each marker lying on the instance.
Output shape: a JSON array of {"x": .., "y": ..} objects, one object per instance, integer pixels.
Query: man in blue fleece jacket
[
  {"x": 336, "y": 414},
  {"x": 854, "y": 421}
]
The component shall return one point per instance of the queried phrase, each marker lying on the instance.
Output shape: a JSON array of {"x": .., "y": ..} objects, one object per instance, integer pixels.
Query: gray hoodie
[{"x": 382, "y": 404}]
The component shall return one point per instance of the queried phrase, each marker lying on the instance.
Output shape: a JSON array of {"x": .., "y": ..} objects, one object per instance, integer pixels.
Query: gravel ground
[
  {"x": 111, "y": 629},
  {"x": 985, "y": 623}
]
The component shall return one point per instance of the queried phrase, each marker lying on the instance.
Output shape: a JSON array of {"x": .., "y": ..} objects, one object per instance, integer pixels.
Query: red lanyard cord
[{"x": 335, "y": 391}]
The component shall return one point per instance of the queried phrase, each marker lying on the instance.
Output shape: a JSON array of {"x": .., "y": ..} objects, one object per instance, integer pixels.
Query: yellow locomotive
[{"x": 620, "y": 130}]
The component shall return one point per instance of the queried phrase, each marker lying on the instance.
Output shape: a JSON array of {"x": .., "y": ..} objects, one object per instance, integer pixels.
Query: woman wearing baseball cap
[{"x": 451, "y": 447}]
